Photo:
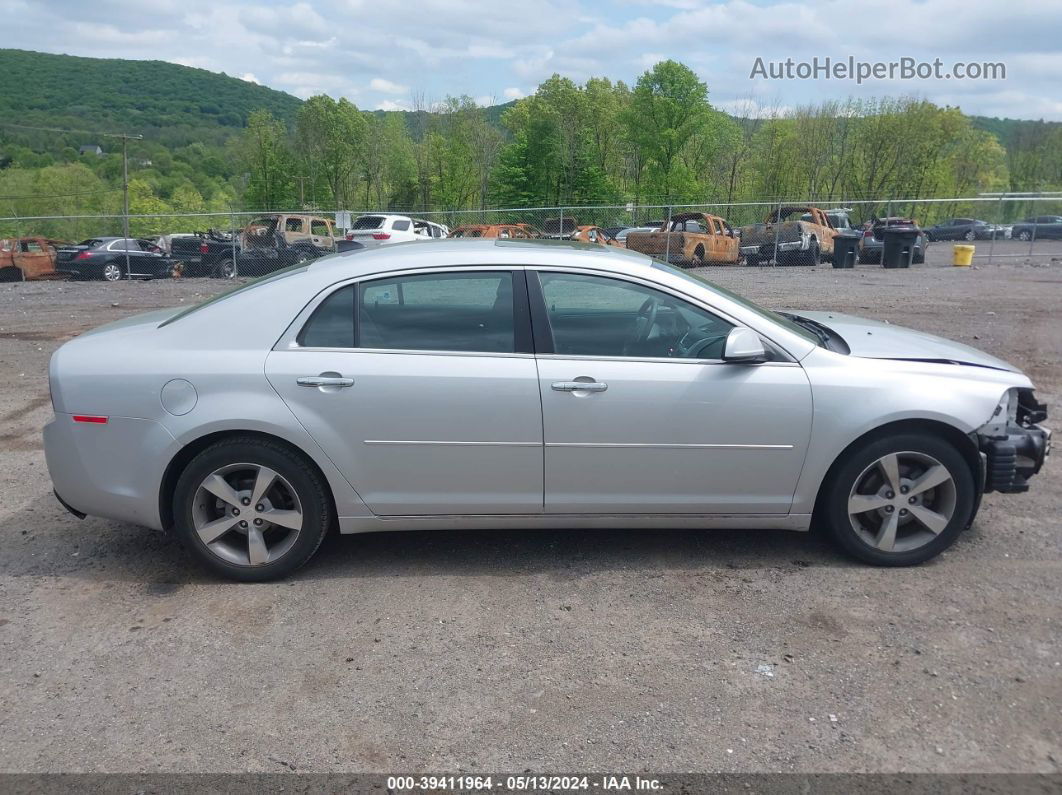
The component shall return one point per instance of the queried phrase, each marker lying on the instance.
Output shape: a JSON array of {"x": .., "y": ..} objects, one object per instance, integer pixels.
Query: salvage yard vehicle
[
  {"x": 273, "y": 242},
  {"x": 210, "y": 253},
  {"x": 516, "y": 231},
  {"x": 114, "y": 258},
  {"x": 592, "y": 234},
  {"x": 872, "y": 244},
  {"x": 28, "y": 259},
  {"x": 429, "y": 230},
  {"x": 378, "y": 229},
  {"x": 518, "y": 384},
  {"x": 789, "y": 242},
  {"x": 1040, "y": 227},
  {"x": 967, "y": 229},
  {"x": 692, "y": 240}
]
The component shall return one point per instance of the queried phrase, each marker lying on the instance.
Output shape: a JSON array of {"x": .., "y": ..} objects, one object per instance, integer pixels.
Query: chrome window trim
[{"x": 288, "y": 340}]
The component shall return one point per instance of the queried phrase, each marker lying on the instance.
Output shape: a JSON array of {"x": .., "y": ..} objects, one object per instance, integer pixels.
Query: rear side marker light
[{"x": 90, "y": 418}]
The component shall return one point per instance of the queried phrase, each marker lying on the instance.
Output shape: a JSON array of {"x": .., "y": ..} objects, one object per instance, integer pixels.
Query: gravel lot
[{"x": 554, "y": 651}]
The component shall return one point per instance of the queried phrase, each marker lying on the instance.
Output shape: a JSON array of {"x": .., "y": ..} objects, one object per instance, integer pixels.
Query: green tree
[
  {"x": 264, "y": 151},
  {"x": 330, "y": 139},
  {"x": 669, "y": 105}
]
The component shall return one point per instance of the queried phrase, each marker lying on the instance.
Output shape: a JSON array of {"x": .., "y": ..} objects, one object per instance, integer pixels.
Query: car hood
[{"x": 875, "y": 340}]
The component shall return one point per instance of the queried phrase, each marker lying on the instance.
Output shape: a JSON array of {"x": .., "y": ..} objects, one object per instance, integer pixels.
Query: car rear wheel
[
  {"x": 112, "y": 271},
  {"x": 251, "y": 510},
  {"x": 226, "y": 269},
  {"x": 1025, "y": 235},
  {"x": 970, "y": 235},
  {"x": 899, "y": 501}
]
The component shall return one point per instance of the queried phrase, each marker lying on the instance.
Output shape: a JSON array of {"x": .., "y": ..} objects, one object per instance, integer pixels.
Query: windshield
[
  {"x": 285, "y": 272},
  {"x": 767, "y": 314}
]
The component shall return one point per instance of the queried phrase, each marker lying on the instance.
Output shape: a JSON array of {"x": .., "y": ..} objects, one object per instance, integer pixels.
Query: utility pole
[{"x": 125, "y": 192}]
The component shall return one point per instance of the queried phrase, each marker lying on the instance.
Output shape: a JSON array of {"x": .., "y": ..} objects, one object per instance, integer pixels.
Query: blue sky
[{"x": 388, "y": 54}]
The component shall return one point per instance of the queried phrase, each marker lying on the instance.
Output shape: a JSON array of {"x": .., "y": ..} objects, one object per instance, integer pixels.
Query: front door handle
[
  {"x": 324, "y": 380},
  {"x": 578, "y": 386}
]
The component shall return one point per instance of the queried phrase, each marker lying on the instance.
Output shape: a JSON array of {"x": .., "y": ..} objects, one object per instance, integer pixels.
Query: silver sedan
[{"x": 521, "y": 384}]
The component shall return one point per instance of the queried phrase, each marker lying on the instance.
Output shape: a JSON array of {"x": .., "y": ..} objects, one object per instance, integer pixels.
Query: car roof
[{"x": 478, "y": 251}]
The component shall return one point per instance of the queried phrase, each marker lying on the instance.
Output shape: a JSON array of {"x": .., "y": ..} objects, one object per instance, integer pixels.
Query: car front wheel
[
  {"x": 250, "y": 509},
  {"x": 112, "y": 272},
  {"x": 900, "y": 500}
]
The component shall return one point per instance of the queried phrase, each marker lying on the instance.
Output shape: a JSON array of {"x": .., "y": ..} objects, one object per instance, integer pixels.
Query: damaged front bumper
[{"x": 1013, "y": 444}]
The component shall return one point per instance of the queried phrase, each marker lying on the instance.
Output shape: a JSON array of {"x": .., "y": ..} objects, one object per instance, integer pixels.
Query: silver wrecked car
[{"x": 522, "y": 384}]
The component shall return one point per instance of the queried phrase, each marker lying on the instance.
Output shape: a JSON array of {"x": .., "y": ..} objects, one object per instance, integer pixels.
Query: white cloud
[
  {"x": 250, "y": 78},
  {"x": 390, "y": 104},
  {"x": 513, "y": 93},
  {"x": 387, "y": 86}
]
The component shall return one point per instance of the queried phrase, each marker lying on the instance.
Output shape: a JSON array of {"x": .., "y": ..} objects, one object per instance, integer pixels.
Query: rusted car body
[
  {"x": 788, "y": 239},
  {"x": 593, "y": 234},
  {"x": 28, "y": 258},
  {"x": 691, "y": 240},
  {"x": 273, "y": 242},
  {"x": 518, "y": 231}
]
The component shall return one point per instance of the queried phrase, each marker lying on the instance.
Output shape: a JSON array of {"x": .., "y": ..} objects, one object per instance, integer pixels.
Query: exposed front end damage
[{"x": 1012, "y": 442}]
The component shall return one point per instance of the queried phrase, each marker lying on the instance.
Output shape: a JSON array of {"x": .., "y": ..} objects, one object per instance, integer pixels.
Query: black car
[
  {"x": 965, "y": 229},
  {"x": 210, "y": 253},
  {"x": 1042, "y": 226},
  {"x": 872, "y": 244},
  {"x": 114, "y": 258}
]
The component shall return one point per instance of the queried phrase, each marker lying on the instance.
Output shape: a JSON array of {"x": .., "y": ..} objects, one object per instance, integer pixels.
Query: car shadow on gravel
[{"x": 46, "y": 541}]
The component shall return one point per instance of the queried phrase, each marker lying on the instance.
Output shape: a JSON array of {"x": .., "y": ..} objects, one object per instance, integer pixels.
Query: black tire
[
  {"x": 1025, "y": 235},
  {"x": 833, "y": 506},
  {"x": 225, "y": 269},
  {"x": 112, "y": 271},
  {"x": 752, "y": 260},
  {"x": 12, "y": 273},
  {"x": 313, "y": 497}
]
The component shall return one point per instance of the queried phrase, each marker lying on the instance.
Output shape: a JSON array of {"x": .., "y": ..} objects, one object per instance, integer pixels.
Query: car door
[
  {"x": 422, "y": 389},
  {"x": 641, "y": 415},
  {"x": 32, "y": 258}
]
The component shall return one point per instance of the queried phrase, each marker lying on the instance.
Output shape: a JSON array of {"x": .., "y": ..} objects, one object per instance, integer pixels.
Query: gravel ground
[{"x": 554, "y": 651}]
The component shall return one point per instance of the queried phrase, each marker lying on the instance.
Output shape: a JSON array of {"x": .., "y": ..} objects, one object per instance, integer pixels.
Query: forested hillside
[{"x": 217, "y": 144}]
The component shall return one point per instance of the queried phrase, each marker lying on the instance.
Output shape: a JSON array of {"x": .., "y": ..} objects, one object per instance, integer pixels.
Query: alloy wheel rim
[
  {"x": 902, "y": 501},
  {"x": 112, "y": 273},
  {"x": 247, "y": 514}
]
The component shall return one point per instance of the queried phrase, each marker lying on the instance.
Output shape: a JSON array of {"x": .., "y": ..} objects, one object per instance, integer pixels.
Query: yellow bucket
[{"x": 962, "y": 256}]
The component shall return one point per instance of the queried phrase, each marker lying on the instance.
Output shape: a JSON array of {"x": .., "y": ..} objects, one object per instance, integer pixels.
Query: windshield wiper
[{"x": 815, "y": 328}]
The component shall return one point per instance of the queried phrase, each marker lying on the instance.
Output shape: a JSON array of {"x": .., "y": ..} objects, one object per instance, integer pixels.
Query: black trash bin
[
  {"x": 846, "y": 249},
  {"x": 899, "y": 246}
]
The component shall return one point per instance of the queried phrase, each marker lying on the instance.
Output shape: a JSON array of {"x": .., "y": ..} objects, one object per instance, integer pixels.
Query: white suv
[{"x": 378, "y": 229}]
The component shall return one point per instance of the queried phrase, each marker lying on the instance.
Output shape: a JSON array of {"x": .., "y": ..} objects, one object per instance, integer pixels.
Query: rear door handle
[
  {"x": 324, "y": 380},
  {"x": 578, "y": 386}
]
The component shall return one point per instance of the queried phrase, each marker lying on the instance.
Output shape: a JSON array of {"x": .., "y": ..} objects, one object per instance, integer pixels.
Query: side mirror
[{"x": 744, "y": 345}]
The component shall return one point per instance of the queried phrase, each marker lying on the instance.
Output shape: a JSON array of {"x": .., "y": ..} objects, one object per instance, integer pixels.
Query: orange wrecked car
[
  {"x": 518, "y": 231},
  {"x": 27, "y": 259}
]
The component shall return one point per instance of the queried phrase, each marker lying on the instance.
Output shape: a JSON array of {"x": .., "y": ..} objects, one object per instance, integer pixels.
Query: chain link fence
[{"x": 239, "y": 243}]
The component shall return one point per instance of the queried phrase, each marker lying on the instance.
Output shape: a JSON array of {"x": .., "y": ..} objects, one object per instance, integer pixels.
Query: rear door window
[
  {"x": 463, "y": 312},
  {"x": 293, "y": 225},
  {"x": 320, "y": 228},
  {"x": 400, "y": 226}
]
